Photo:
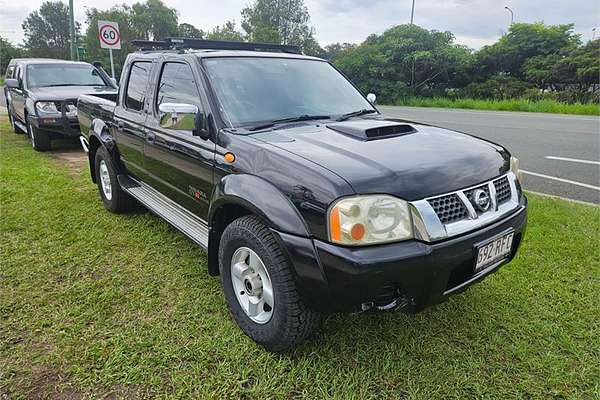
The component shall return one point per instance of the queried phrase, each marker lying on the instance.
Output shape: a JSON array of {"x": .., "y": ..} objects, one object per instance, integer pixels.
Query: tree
[
  {"x": 47, "y": 31},
  {"x": 8, "y": 52},
  {"x": 407, "y": 60},
  {"x": 227, "y": 31},
  {"x": 336, "y": 50},
  {"x": 153, "y": 20},
  {"x": 524, "y": 41},
  {"x": 280, "y": 21},
  {"x": 120, "y": 14},
  {"x": 190, "y": 31}
]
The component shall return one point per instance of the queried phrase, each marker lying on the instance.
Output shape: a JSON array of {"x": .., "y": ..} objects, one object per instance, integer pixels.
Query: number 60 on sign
[{"x": 109, "y": 35}]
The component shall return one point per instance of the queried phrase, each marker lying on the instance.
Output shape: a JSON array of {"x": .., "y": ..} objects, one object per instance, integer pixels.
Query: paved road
[{"x": 531, "y": 137}]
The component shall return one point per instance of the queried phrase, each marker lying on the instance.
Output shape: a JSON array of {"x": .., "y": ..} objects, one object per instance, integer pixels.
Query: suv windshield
[
  {"x": 46, "y": 75},
  {"x": 254, "y": 90}
]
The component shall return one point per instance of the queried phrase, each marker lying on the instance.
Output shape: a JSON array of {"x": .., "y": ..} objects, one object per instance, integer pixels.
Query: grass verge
[
  {"x": 543, "y": 106},
  {"x": 94, "y": 304}
]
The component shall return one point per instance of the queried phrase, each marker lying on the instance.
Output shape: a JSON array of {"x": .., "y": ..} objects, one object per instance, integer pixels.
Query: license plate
[{"x": 494, "y": 251}]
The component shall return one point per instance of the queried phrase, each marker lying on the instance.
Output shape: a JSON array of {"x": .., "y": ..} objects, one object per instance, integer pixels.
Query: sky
[{"x": 475, "y": 23}]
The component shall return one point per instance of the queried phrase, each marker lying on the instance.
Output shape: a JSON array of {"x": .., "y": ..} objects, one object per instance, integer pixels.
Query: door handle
[
  {"x": 150, "y": 137},
  {"x": 120, "y": 126}
]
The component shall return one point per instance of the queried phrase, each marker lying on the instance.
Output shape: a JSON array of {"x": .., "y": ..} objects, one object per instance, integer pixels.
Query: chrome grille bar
[{"x": 429, "y": 217}]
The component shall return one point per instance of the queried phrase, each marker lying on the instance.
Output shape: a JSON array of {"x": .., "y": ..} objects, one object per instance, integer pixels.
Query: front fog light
[{"x": 369, "y": 219}]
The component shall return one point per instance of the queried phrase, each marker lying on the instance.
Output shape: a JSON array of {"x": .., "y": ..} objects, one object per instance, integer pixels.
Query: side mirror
[
  {"x": 178, "y": 116},
  {"x": 372, "y": 98},
  {"x": 12, "y": 83},
  {"x": 184, "y": 117}
]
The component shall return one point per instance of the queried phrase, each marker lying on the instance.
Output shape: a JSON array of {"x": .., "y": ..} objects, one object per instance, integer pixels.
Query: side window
[
  {"x": 177, "y": 85},
  {"x": 136, "y": 86}
]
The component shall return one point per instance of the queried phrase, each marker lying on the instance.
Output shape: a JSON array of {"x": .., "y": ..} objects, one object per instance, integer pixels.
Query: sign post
[{"x": 110, "y": 38}]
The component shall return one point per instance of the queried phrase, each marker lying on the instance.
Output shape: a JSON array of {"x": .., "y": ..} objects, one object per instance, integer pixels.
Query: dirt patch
[
  {"x": 75, "y": 159},
  {"x": 43, "y": 383},
  {"x": 69, "y": 152}
]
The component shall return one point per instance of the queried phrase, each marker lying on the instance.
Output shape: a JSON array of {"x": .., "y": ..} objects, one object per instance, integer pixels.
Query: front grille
[
  {"x": 449, "y": 208},
  {"x": 502, "y": 190}
]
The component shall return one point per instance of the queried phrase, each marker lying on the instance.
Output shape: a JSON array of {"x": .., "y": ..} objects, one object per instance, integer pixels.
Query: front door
[
  {"x": 179, "y": 164},
  {"x": 130, "y": 118},
  {"x": 17, "y": 95}
]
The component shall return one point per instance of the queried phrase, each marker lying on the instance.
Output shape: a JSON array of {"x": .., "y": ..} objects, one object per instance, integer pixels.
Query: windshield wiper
[
  {"x": 356, "y": 114},
  {"x": 305, "y": 117},
  {"x": 71, "y": 84}
]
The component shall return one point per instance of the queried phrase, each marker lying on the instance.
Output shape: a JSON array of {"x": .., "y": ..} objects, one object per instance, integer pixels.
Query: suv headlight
[
  {"x": 369, "y": 219},
  {"x": 514, "y": 167},
  {"x": 46, "y": 107}
]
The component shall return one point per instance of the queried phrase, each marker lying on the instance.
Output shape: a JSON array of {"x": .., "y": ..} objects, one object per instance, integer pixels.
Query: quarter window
[
  {"x": 177, "y": 85},
  {"x": 136, "y": 87}
]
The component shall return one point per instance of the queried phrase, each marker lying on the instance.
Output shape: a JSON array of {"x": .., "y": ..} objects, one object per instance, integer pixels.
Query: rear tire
[
  {"x": 40, "y": 140},
  {"x": 286, "y": 321},
  {"x": 115, "y": 199}
]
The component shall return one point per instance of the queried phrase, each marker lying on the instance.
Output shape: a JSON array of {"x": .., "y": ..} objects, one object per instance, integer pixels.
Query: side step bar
[
  {"x": 186, "y": 222},
  {"x": 20, "y": 125}
]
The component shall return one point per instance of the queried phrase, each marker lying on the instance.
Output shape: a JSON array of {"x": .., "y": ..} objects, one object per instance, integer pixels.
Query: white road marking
[
  {"x": 585, "y": 185},
  {"x": 576, "y": 160}
]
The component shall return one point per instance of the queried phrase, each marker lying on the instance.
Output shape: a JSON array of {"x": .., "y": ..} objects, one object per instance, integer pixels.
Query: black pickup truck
[
  {"x": 305, "y": 197},
  {"x": 41, "y": 94}
]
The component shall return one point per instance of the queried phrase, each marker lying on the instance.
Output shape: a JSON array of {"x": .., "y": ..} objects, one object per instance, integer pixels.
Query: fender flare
[
  {"x": 262, "y": 198},
  {"x": 99, "y": 129}
]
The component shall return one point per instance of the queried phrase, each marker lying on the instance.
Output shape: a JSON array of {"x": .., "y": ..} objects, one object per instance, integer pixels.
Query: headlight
[
  {"x": 369, "y": 219},
  {"x": 46, "y": 107},
  {"x": 514, "y": 167}
]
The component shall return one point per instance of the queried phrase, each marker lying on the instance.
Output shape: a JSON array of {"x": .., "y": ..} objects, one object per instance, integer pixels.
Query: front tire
[
  {"x": 115, "y": 199},
  {"x": 40, "y": 140},
  {"x": 259, "y": 286}
]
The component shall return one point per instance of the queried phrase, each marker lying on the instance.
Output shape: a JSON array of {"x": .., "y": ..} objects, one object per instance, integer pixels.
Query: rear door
[
  {"x": 179, "y": 164},
  {"x": 130, "y": 116}
]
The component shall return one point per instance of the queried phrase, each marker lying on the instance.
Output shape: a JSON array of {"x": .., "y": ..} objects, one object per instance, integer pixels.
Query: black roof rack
[{"x": 177, "y": 43}]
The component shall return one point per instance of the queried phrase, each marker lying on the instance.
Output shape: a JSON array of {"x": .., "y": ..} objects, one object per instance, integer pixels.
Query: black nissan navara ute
[
  {"x": 306, "y": 199},
  {"x": 41, "y": 94}
]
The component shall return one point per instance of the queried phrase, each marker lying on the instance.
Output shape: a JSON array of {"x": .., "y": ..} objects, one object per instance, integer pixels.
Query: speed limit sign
[{"x": 109, "y": 35}]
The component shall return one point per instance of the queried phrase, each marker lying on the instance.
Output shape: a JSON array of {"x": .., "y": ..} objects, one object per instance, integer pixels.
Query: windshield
[
  {"x": 265, "y": 89},
  {"x": 46, "y": 75}
]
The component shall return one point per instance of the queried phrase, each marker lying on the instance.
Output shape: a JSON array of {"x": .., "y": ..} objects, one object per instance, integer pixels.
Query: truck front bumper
[
  {"x": 412, "y": 273},
  {"x": 60, "y": 125}
]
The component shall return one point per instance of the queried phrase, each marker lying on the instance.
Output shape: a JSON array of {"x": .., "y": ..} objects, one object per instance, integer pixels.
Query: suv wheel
[
  {"x": 115, "y": 199},
  {"x": 40, "y": 140},
  {"x": 259, "y": 286}
]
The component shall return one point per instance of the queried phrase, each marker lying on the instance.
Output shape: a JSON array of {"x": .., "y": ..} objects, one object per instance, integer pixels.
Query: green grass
[
  {"x": 2, "y": 80},
  {"x": 95, "y": 304},
  {"x": 543, "y": 106}
]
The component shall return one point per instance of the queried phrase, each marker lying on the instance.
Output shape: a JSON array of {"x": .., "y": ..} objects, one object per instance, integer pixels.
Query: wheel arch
[
  {"x": 238, "y": 195},
  {"x": 99, "y": 135}
]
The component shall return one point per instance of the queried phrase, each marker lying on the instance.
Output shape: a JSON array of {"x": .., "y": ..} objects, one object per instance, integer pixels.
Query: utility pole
[
  {"x": 512, "y": 15},
  {"x": 72, "y": 31},
  {"x": 593, "y": 34},
  {"x": 412, "y": 12}
]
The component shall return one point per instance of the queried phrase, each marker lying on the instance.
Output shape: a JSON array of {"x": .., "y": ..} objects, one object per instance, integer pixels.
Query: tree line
[{"x": 532, "y": 60}]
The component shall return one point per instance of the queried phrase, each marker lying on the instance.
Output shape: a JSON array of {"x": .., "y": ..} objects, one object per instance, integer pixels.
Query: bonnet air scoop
[{"x": 370, "y": 129}]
